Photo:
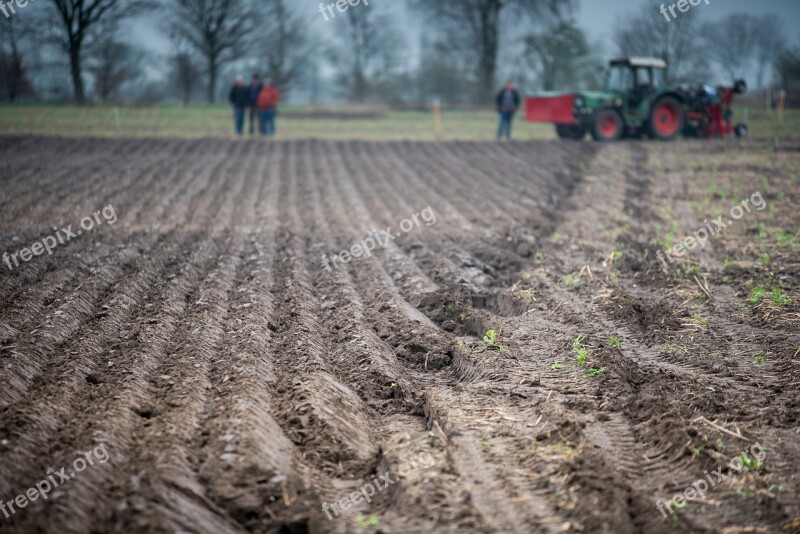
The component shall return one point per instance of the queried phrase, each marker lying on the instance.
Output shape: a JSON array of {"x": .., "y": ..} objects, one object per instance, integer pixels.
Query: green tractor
[{"x": 636, "y": 102}]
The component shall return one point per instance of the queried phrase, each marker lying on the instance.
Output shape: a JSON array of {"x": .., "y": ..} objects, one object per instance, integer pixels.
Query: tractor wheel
[
  {"x": 666, "y": 119},
  {"x": 607, "y": 125},
  {"x": 574, "y": 132}
]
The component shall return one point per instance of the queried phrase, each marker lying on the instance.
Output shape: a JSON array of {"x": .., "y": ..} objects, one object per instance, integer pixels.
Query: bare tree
[
  {"x": 366, "y": 54},
  {"x": 787, "y": 68},
  {"x": 473, "y": 28},
  {"x": 14, "y": 80},
  {"x": 729, "y": 43},
  {"x": 285, "y": 42},
  {"x": 218, "y": 30},
  {"x": 185, "y": 75},
  {"x": 112, "y": 64},
  {"x": 560, "y": 56},
  {"x": 676, "y": 42},
  {"x": 768, "y": 42},
  {"x": 75, "y": 24}
]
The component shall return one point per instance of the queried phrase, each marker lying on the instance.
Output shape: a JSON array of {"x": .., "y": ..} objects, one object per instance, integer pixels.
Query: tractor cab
[{"x": 634, "y": 81}]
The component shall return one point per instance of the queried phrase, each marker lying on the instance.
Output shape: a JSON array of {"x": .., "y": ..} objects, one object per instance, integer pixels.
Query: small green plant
[
  {"x": 750, "y": 463},
  {"x": 780, "y": 298},
  {"x": 719, "y": 443},
  {"x": 580, "y": 349},
  {"x": 484, "y": 446},
  {"x": 451, "y": 307},
  {"x": 614, "y": 277},
  {"x": 615, "y": 342},
  {"x": 785, "y": 239},
  {"x": 760, "y": 359},
  {"x": 565, "y": 449},
  {"x": 527, "y": 294},
  {"x": 491, "y": 338},
  {"x": 371, "y": 521},
  {"x": 756, "y": 294},
  {"x": 616, "y": 255},
  {"x": 593, "y": 371},
  {"x": 700, "y": 319},
  {"x": 765, "y": 259},
  {"x": 572, "y": 280},
  {"x": 557, "y": 365},
  {"x": 394, "y": 385}
]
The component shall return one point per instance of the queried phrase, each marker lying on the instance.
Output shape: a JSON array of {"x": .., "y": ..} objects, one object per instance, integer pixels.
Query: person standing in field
[
  {"x": 255, "y": 88},
  {"x": 267, "y": 103},
  {"x": 240, "y": 100},
  {"x": 507, "y": 105}
]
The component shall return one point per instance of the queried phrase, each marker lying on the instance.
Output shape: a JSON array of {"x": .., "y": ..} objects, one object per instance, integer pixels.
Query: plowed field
[{"x": 238, "y": 384}]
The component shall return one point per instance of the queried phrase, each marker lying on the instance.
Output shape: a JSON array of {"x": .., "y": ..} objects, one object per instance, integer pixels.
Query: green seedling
[
  {"x": 780, "y": 298},
  {"x": 566, "y": 449},
  {"x": 760, "y": 359},
  {"x": 394, "y": 385},
  {"x": 580, "y": 350},
  {"x": 765, "y": 259},
  {"x": 785, "y": 239},
  {"x": 616, "y": 255},
  {"x": 490, "y": 338},
  {"x": 371, "y": 521},
  {"x": 572, "y": 280},
  {"x": 593, "y": 371},
  {"x": 527, "y": 294},
  {"x": 750, "y": 463},
  {"x": 700, "y": 319},
  {"x": 557, "y": 365},
  {"x": 484, "y": 446},
  {"x": 756, "y": 294},
  {"x": 615, "y": 342}
]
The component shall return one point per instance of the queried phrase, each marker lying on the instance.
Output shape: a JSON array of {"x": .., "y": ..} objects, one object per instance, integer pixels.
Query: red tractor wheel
[
  {"x": 607, "y": 125},
  {"x": 666, "y": 119}
]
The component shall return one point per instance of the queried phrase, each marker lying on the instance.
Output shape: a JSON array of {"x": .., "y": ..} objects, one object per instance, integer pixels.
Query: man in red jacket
[{"x": 268, "y": 99}]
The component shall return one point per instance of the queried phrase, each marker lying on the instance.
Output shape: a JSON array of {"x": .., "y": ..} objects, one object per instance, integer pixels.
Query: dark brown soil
[{"x": 238, "y": 385}]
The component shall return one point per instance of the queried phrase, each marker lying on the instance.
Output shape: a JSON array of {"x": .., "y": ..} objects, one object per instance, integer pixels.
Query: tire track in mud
[{"x": 618, "y": 439}]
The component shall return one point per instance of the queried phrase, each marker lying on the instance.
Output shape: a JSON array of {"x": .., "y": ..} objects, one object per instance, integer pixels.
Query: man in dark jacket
[
  {"x": 255, "y": 88},
  {"x": 240, "y": 100},
  {"x": 507, "y": 105}
]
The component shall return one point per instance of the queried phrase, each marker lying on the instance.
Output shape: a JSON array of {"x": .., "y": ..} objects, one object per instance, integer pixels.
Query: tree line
[{"x": 466, "y": 49}]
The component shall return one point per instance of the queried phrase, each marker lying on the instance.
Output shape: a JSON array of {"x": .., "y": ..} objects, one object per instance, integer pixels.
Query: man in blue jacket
[
  {"x": 240, "y": 100},
  {"x": 507, "y": 105}
]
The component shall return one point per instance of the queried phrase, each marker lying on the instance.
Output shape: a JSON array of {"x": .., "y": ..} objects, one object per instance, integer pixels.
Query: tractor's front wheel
[
  {"x": 574, "y": 132},
  {"x": 666, "y": 119},
  {"x": 607, "y": 125}
]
